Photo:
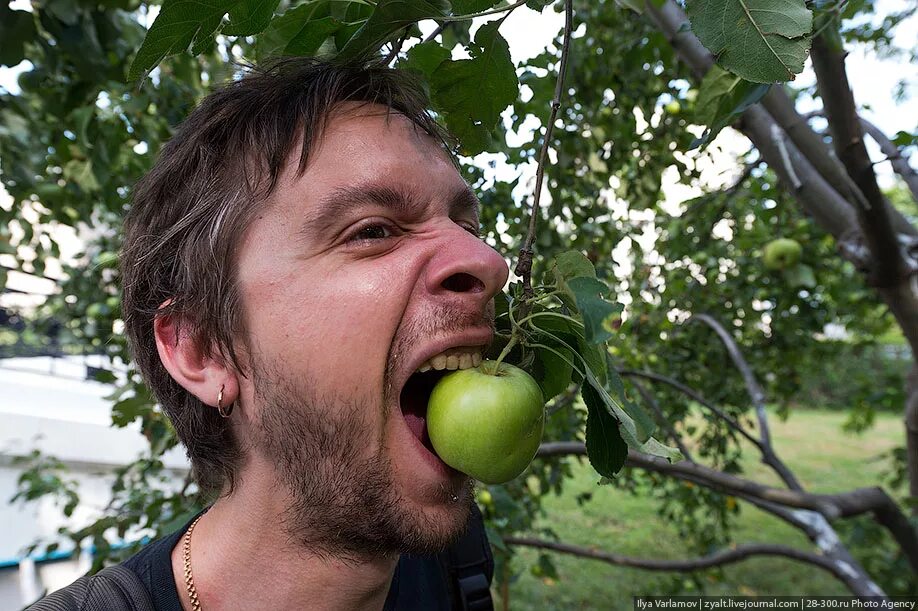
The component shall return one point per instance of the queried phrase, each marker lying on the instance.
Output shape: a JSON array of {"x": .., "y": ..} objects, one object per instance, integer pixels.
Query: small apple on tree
[{"x": 782, "y": 253}]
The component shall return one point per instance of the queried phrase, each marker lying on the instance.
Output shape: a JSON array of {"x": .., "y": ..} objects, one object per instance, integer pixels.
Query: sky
[{"x": 529, "y": 32}]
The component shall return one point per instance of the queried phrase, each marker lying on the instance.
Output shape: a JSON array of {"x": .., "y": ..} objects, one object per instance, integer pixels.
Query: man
[{"x": 303, "y": 245}]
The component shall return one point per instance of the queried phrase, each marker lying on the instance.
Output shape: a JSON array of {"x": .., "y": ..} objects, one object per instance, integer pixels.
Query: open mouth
[
  {"x": 415, "y": 393},
  {"x": 413, "y": 400}
]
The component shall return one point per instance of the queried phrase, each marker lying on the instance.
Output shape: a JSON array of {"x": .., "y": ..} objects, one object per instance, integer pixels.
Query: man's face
[{"x": 355, "y": 274}]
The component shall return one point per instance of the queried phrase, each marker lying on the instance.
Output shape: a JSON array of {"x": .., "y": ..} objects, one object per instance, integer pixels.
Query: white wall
[{"x": 47, "y": 404}]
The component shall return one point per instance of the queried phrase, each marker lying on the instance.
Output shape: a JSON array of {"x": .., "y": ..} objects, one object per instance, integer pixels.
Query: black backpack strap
[
  {"x": 470, "y": 567},
  {"x": 115, "y": 588}
]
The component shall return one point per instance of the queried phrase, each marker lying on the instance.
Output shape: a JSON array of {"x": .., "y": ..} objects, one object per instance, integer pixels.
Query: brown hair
[{"x": 190, "y": 211}]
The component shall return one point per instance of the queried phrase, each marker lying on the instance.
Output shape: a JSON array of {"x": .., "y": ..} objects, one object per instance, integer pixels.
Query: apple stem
[{"x": 513, "y": 341}]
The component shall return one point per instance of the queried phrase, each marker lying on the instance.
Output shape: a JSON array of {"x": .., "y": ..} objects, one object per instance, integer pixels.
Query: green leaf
[
  {"x": 598, "y": 314},
  {"x": 605, "y": 447},
  {"x": 389, "y": 17},
  {"x": 653, "y": 447},
  {"x": 179, "y": 24},
  {"x": 425, "y": 57},
  {"x": 643, "y": 423},
  {"x": 299, "y": 31},
  {"x": 800, "y": 275},
  {"x": 127, "y": 410},
  {"x": 722, "y": 97},
  {"x": 552, "y": 372},
  {"x": 80, "y": 172},
  {"x": 572, "y": 264},
  {"x": 764, "y": 41},
  {"x": 250, "y": 17},
  {"x": 538, "y": 5},
  {"x": 471, "y": 93},
  {"x": 568, "y": 265},
  {"x": 16, "y": 29}
]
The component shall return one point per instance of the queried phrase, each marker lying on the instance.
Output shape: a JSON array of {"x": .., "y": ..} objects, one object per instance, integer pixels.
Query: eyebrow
[{"x": 398, "y": 201}]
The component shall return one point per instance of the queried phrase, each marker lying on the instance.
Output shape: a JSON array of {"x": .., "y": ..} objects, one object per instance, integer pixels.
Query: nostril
[{"x": 463, "y": 283}]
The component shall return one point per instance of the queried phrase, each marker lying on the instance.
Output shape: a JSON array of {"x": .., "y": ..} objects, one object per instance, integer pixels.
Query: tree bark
[
  {"x": 911, "y": 436},
  {"x": 848, "y": 140}
]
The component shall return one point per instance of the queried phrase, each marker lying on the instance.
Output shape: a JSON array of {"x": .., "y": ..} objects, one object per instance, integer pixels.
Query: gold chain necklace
[{"x": 186, "y": 557}]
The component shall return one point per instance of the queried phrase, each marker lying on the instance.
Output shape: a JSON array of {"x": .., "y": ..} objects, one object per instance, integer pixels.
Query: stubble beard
[{"x": 342, "y": 504}]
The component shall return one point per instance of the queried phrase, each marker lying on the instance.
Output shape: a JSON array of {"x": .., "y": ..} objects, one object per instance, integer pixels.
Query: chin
[{"x": 438, "y": 525}]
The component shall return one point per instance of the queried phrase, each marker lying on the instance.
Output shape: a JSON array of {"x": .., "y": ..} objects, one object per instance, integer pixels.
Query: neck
[{"x": 241, "y": 557}]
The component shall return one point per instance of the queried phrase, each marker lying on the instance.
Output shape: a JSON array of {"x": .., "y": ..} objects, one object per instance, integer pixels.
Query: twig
[
  {"x": 676, "y": 438},
  {"x": 493, "y": 11},
  {"x": 438, "y": 31},
  {"x": 833, "y": 506},
  {"x": 896, "y": 159},
  {"x": 731, "y": 192},
  {"x": 563, "y": 401},
  {"x": 695, "y": 395},
  {"x": 777, "y": 134},
  {"x": 757, "y": 395},
  {"x": 741, "y": 552},
  {"x": 396, "y": 48},
  {"x": 524, "y": 264}
]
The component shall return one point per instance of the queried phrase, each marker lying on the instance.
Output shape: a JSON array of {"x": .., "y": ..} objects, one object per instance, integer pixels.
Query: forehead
[{"x": 363, "y": 142}]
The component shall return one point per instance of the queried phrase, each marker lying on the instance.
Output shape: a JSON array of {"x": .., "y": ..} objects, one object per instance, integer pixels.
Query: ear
[{"x": 187, "y": 362}]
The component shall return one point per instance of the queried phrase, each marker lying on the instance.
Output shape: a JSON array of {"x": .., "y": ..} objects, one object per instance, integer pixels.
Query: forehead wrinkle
[{"x": 398, "y": 200}]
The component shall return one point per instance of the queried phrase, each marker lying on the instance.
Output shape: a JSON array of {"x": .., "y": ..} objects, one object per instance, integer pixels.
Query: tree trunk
[{"x": 911, "y": 436}]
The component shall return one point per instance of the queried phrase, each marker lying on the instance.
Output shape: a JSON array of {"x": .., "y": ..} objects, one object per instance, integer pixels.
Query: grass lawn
[{"x": 824, "y": 458}]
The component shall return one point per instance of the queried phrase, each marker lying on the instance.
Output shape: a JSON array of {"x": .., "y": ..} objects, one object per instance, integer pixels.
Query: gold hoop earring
[{"x": 224, "y": 412}]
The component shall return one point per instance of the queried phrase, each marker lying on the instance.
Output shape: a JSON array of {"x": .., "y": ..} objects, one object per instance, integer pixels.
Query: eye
[
  {"x": 471, "y": 227},
  {"x": 372, "y": 232}
]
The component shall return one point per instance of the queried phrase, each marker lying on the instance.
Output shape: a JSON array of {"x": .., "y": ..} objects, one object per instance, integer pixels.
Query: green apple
[
  {"x": 782, "y": 253},
  {"x": 487, "y": 421}
]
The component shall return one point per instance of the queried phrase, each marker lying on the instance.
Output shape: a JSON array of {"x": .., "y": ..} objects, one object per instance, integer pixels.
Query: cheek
[{"x": 336, "y": 329}]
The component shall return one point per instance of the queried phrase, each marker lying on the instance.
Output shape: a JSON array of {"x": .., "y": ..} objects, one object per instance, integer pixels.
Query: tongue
[{"x": 417, "y": 424}]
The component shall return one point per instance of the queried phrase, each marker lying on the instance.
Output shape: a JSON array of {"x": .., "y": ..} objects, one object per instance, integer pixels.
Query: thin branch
[
  {"x": 892, "y": 153},
  {"x": 719, "y": 558},
  {"x": 438, "y": 31},
  {"x": 661, "y": 417},
  {"x": 396, "y": 48},
  {"x": 493, "y": 11},
  {"x": 694, "y": 395},
  {"x": 564, "y": 400},
  {"x": 897, "y": 160},
  {"x": 731, "y": 192},
  {"x": 777, "y": 135},
  {"x": 757, "y": 395},
  {"x": 524, "y": 264},
  {"x": 833, "y": 506}
]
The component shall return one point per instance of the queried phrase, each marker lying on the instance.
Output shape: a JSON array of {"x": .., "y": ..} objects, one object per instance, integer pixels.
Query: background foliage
[{"x": 83, "y": 129}]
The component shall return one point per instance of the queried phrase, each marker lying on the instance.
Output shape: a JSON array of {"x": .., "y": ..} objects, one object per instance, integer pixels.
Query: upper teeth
[{"x": 453, "y": 358}]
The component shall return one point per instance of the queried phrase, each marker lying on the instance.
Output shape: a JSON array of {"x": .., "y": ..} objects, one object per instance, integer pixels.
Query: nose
[{"x": 465, "y": 268}]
